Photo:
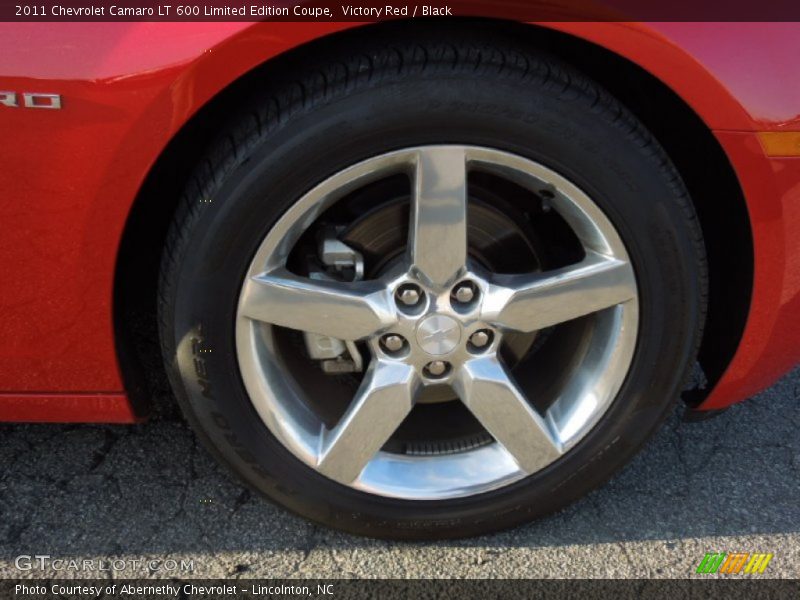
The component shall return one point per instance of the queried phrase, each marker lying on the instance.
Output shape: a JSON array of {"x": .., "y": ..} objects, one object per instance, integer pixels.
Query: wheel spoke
[
  {"x": 531, "y": 302},
  {"x": 490, "y": 394},
  {"x": 438, "y": 232},
  {"x": 384, "y": 399},
  {"x": 349, "y": 311}
]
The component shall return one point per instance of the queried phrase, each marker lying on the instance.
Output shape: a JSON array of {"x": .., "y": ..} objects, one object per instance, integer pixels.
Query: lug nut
[
  {"x": 436, "y": 368},
  {"x": 464, "y": 292},
  {"x": 481, "y": 338},
  {"x": 409, "y": 295},
  {"x": 392, "y": 343}
]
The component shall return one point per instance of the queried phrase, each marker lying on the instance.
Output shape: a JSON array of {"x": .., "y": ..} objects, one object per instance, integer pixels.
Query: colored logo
[{"x": 734, "y": 563}]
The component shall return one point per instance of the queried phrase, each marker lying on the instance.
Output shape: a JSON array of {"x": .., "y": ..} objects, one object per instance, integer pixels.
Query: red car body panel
[{"x": 70, "y": 177}]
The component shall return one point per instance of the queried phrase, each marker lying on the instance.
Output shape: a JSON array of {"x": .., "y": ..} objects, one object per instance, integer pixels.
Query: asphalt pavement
[{"x": 147, "y": 500}]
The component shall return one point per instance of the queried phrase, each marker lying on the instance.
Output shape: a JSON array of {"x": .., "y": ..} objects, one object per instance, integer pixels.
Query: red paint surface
[
  {"x": 69, "y": 177},
  {"x": 60, "y": 408}
]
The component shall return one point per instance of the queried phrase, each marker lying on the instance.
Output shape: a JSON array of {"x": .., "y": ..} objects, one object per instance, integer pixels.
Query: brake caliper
[{"x": 344, "y": 264}]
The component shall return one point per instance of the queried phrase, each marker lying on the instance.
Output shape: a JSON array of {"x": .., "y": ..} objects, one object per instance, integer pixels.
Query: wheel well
[
  {"x": 713, "y": 186},
  {"x": 702, "y": 163}
]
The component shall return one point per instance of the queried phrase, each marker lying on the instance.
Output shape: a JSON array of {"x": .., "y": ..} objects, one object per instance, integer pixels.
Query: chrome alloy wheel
[{"x": 439, "y": 318}]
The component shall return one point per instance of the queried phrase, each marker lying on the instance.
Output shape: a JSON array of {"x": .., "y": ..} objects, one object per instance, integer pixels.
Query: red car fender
[{"x": 70, "y": 177}]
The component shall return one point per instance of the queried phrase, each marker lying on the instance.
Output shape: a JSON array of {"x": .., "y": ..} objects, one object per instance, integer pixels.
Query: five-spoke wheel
[{"x": 438, "y": 317}]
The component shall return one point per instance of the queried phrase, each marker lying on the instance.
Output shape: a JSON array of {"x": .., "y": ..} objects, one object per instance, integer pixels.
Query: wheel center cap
[{"x": 438, "y": 334}]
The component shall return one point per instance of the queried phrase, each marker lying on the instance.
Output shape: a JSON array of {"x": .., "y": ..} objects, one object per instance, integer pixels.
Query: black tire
[{"x": 475, "y": 88}]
